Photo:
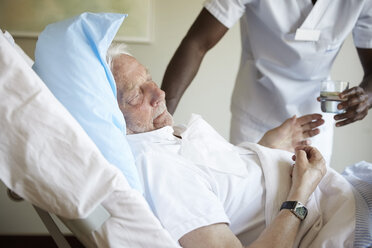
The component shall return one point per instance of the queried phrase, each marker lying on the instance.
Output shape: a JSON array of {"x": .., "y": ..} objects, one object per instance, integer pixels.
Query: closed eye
[{"x": 135, "y": 99}]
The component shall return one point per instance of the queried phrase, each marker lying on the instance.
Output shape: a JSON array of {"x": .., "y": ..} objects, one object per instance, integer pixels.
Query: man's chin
[{"x": 165, "y": 119}]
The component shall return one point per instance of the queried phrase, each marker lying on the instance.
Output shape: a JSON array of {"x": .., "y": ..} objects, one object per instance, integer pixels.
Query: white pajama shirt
[
  {"x": 202, "y": 179},
  {"x": 187, "y": 191}
]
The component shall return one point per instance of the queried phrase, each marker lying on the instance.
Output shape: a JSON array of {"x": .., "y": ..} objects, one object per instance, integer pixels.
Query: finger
[
  {"x": 351, "y": 120},
  {"x": 308, "y": 118},
  {"x": 313, "y": 154},
  {"x": 317, "y": 160},
  {"x": 352, "y": 91},
  {"x": 349, "y": 114},
  {"x": 353, "y": 101},
  {"x": 344, "y": 122},
  {"x": 299, "y": 148},
  {"x": 356, "y": 113},
  {"x": 311, "y": 133},
  {"x": 301, "y": 157},
  {"x": 313, "y": 157},
  {"x": 294, "y": 157},
  {"x": 304, "y": 143},
  {"x": 318, "y": 98},
  {"x": 312, "y": 125},
  {"x": 303, "y": 148}
]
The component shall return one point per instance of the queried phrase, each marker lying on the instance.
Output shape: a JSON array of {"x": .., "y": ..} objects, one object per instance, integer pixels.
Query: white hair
[{"x": 115, "y": 50}]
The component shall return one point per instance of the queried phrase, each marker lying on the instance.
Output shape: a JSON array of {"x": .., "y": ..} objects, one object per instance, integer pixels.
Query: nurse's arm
[
  {"x": 204, "y": 33},
  {"x": 281, "y": 233},
  {"x": 359, "y": 99}
]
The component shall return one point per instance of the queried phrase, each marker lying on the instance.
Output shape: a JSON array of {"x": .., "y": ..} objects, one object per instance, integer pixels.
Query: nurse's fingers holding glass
[
  {"x": 356, "y": 106},
  {"x": 355, "y": 96},
  {"x": 352, "y": 114}
]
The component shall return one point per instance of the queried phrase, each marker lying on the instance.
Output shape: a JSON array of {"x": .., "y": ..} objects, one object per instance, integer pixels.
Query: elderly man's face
[{"x": 140, "y": 99}]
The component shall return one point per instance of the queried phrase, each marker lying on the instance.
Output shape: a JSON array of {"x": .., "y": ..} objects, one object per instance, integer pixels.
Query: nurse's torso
[{"x": 279, "y": 76}]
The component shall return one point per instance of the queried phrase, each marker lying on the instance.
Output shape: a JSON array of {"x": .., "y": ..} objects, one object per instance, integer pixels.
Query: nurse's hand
[
  {"x": 356, "y": 106},
  {"x": 293, "y": 132}
]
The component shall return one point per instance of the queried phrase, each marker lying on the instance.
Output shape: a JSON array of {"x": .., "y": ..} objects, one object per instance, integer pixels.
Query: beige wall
[{"x": 209, "y": 95}]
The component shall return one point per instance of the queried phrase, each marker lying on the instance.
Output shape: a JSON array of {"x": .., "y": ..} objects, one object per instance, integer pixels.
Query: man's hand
[
  {"x": 356, "y": 106},
  {"x": 307, "y": 172},
  {"x": 293, "y": 132}
]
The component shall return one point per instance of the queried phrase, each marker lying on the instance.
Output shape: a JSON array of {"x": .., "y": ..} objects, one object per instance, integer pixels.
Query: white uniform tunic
[
  {"x": 200, "y": 180},
  {"x": 279, "y": 75}
]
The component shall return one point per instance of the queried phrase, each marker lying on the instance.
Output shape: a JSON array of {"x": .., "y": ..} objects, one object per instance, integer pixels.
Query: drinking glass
[{"x": 329, "y": 98}]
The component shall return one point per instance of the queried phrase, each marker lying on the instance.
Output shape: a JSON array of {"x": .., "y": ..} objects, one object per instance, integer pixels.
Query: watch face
[
  {"x": 301, "y": 212},
  {"x": 297, "y": 208}
]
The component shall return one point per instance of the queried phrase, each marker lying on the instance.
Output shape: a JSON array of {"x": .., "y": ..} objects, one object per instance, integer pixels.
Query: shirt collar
[{"x": 156, "y": 136}]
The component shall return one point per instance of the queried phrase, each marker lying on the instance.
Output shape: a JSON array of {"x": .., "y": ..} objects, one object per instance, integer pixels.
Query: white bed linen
[
  {"x": 331, "y": 218},
  {"x": 360, "y": 176},
  {"x": 48, "y": 159}
]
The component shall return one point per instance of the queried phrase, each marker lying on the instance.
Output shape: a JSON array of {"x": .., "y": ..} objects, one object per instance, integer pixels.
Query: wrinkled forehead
[{"x": 129, "y": 73}]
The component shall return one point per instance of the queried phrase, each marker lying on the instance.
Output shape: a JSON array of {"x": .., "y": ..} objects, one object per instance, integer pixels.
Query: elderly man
[{"x": 209, "y": 193}]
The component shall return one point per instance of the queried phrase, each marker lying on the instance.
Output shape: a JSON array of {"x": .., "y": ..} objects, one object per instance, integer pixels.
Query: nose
[{"x": 157, "y": 95}]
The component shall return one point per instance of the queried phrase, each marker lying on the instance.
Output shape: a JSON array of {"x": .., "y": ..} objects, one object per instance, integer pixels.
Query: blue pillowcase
[{"x": 70, "y": 57}]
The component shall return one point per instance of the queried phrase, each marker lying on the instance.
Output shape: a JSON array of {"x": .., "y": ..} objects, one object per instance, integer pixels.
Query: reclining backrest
[
  {"x": 81, "y": 228},
  {"x": 48, "y": 159}
]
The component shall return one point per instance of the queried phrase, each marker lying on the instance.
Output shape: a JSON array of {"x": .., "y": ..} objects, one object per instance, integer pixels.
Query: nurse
[{"x": 288, "y": 49}]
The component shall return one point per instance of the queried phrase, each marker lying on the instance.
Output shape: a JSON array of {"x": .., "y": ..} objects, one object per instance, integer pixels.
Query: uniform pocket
[{"x": 326, "y": 53}]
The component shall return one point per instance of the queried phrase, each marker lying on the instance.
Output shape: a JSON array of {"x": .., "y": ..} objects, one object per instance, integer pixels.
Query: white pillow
[
  {"x": 70, "y": 58},
  {"x": 45, "y": 155}
]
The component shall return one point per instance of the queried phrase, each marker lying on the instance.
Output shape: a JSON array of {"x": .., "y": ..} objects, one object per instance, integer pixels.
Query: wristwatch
[{"x": 297, "y": 208}]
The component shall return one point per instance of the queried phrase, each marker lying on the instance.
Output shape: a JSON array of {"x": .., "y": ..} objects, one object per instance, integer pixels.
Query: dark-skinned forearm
[
  {"x": 365, "y": 56},
  {"x": 180, "y": 72},
  {"x": 366, "y": 84},
  {"x": 205, "y": 32}
]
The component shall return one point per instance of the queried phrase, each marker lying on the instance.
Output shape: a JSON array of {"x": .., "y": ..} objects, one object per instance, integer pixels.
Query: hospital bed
[
  {"x": 48, "y": 159},
  {"x": 81, "y": 228},
  {"x": 51, "y": 161}
]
